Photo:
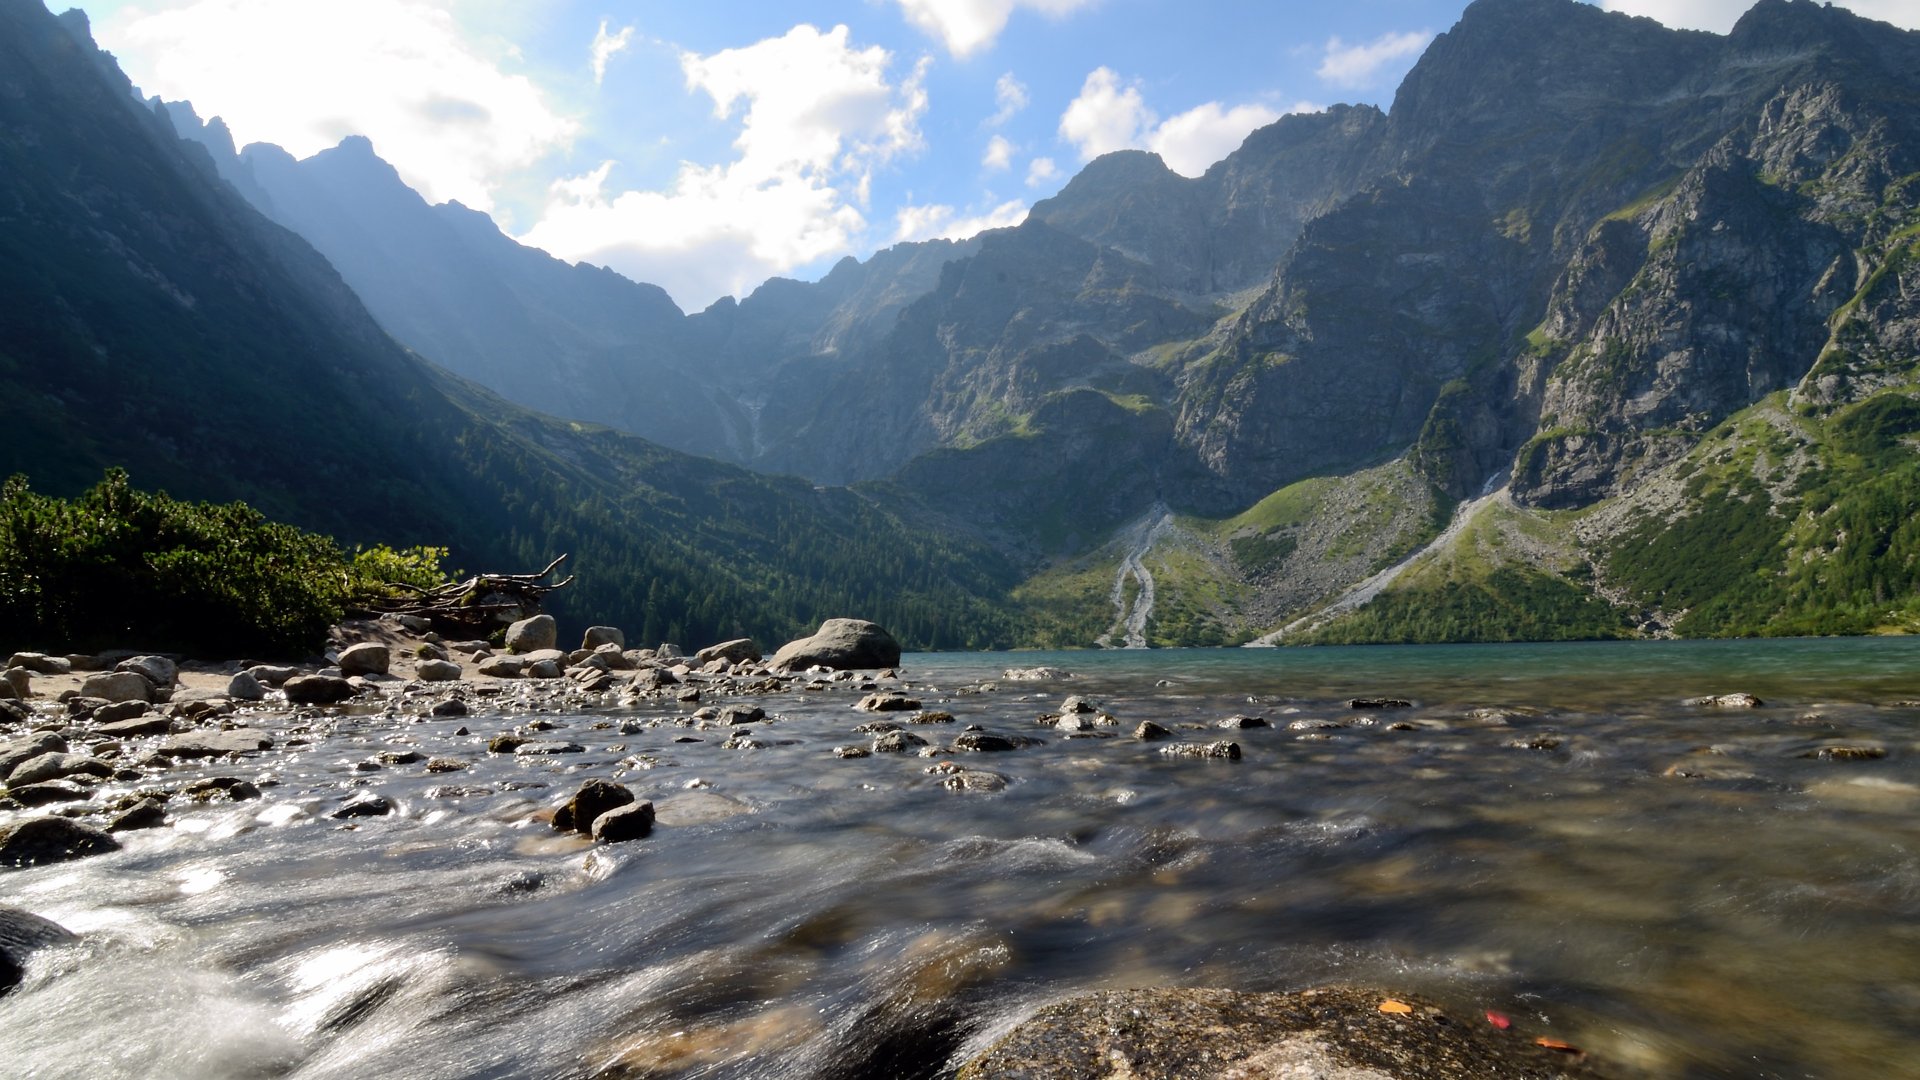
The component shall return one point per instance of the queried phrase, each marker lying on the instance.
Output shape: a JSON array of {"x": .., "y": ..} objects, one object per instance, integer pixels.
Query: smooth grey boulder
[
  {"x": 532, "y": 635},
  {"x": 22, "y": 932},
  {"x": 41, "y": 840},
  {"x": 47, "y": 792},
  {"x": 503, "y": 667},
  {"x": 16, "y": 683},
  {"x": 118, "y": 686},
  {"x": 318, "y": 689},
  {"x": 366, "y": 658},
  {"x": 158, "y": 670},
  {"x": 840, "y": 644},
  {"x": 28, "y": 748},
  {"x": 1334, "y": 1033},
  {"x": 597, "y": 636},
  {"x": 733, "y": 652},
  {"x": 56, "y": 767},
  {"x": 205, "y": 744},
  {"x": 246, "y": 686},
  {"x": 40, "y": 663},
  {"x": 118, "y": 711},
  {"x": 144, "y": 724},
  {"x": 436, "y": 671}
]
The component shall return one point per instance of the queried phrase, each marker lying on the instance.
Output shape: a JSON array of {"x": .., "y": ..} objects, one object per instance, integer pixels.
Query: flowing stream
[
  {"x": 1130, "y": 618},
  {"x": 1548, "y": 831}
]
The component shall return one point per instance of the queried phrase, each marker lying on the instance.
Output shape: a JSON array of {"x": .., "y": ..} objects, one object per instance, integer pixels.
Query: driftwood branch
[{"x": 476, "y": 606}]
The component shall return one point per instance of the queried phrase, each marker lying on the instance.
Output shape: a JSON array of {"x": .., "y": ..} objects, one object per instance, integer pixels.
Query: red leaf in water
[
  {"x": 1498, "y": 1020},
  {"x": 1556, "y": 1044}
]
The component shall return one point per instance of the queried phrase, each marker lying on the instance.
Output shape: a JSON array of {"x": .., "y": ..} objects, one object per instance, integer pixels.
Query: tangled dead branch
[{"x": 477, "y": 606}]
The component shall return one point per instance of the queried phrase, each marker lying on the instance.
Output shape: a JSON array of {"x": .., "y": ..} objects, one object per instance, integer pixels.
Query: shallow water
[{"x": 1520, "y": 848}]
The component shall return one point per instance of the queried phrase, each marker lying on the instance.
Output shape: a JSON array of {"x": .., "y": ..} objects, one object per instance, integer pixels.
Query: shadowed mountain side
[{"x": 150, "y": 319}]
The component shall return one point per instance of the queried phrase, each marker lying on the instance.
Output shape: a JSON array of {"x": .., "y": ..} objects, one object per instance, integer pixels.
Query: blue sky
[{"x": 708, "y": 146}]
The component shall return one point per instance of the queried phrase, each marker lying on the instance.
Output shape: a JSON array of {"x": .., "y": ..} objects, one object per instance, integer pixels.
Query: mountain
[
  {"x": 572, "y": 340},
  {"x": 1602, "y": 329},
  {"x": 152, "y": 319}
]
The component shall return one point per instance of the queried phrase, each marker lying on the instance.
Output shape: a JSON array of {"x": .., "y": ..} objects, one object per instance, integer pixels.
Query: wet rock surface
[{"x": 1325, "y": 1034}]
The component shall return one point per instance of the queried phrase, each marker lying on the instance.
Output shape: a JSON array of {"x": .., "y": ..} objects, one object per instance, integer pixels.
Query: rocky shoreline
[{"x": 93, "y": 748}]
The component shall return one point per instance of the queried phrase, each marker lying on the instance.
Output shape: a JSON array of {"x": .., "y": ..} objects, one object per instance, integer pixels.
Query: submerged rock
[
  {"x": 1726, "y": 701},
  {"x": 1148, "y": 731},
  {"x": 1226, "y": 751},
  {"x": 1379, "y": 703},
  {"x": 41, "y": 840},
  {"x": 21, "y": 932},
  {"x": 633, "y": 821},
  {"x": 594, "y": 798},
  {"x": 1327, "y": 1034},
  {"x": 888, "y": 701}
]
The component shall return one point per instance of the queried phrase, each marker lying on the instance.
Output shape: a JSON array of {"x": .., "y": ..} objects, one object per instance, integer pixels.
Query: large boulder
[
  {"x": 733, "y": 652},
  {"x": 40, "y": 840},
  {"x": 840, "y": 644},
  {"x": 436, "y": 671},
  {"x": 40, "y": 663},
  {"x": 118, "y": 686},
  {"x": 1335, "y": 1033},
  {"x": 597, "y": 636},
  {"x": 318, "y": 689},
  {"x": 532, "y": 635},
  {"x": 158, "y": 670},
  {"x": 366, "y": 658},
  {"x": 21, "y": 932}
]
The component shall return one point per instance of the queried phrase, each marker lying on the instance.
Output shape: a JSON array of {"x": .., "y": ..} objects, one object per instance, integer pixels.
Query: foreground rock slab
[{"x": 1326, "y": 1034}]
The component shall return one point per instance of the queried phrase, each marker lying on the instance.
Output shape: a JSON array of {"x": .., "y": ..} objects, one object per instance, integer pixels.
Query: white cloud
[
  {"x": 1010, "y": 95},
  {"x": 307, "y": 73},
  {"x": 817, "y": 116},
  {"x": 1040, "y": 170},
  {"x": 1109, "y": 115},
  {"x": 1720, "y": 15},
  {"x": 1358, "y": 65},
  {"x": 941, "y": 222},
  {"x": 1197, "y": 138},
  {"x": 604, "y": 46},
  {"x": 999, "y": 155},
  {"x": 968, "y": 26},
  {"x": 1106, "y": 116}
]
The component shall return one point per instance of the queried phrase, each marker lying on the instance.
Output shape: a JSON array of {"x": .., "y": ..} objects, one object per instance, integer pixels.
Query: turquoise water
[
  {"x": 1548, "y": 831},
  {"x": 1596, "y": 673}
]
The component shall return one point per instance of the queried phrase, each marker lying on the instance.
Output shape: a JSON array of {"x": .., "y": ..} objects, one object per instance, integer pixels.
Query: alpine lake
[{"x": 1560, "y": 834}]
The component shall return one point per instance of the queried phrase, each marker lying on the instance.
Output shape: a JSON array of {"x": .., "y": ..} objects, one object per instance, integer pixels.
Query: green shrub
[{"x": 118, "y": 567}]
